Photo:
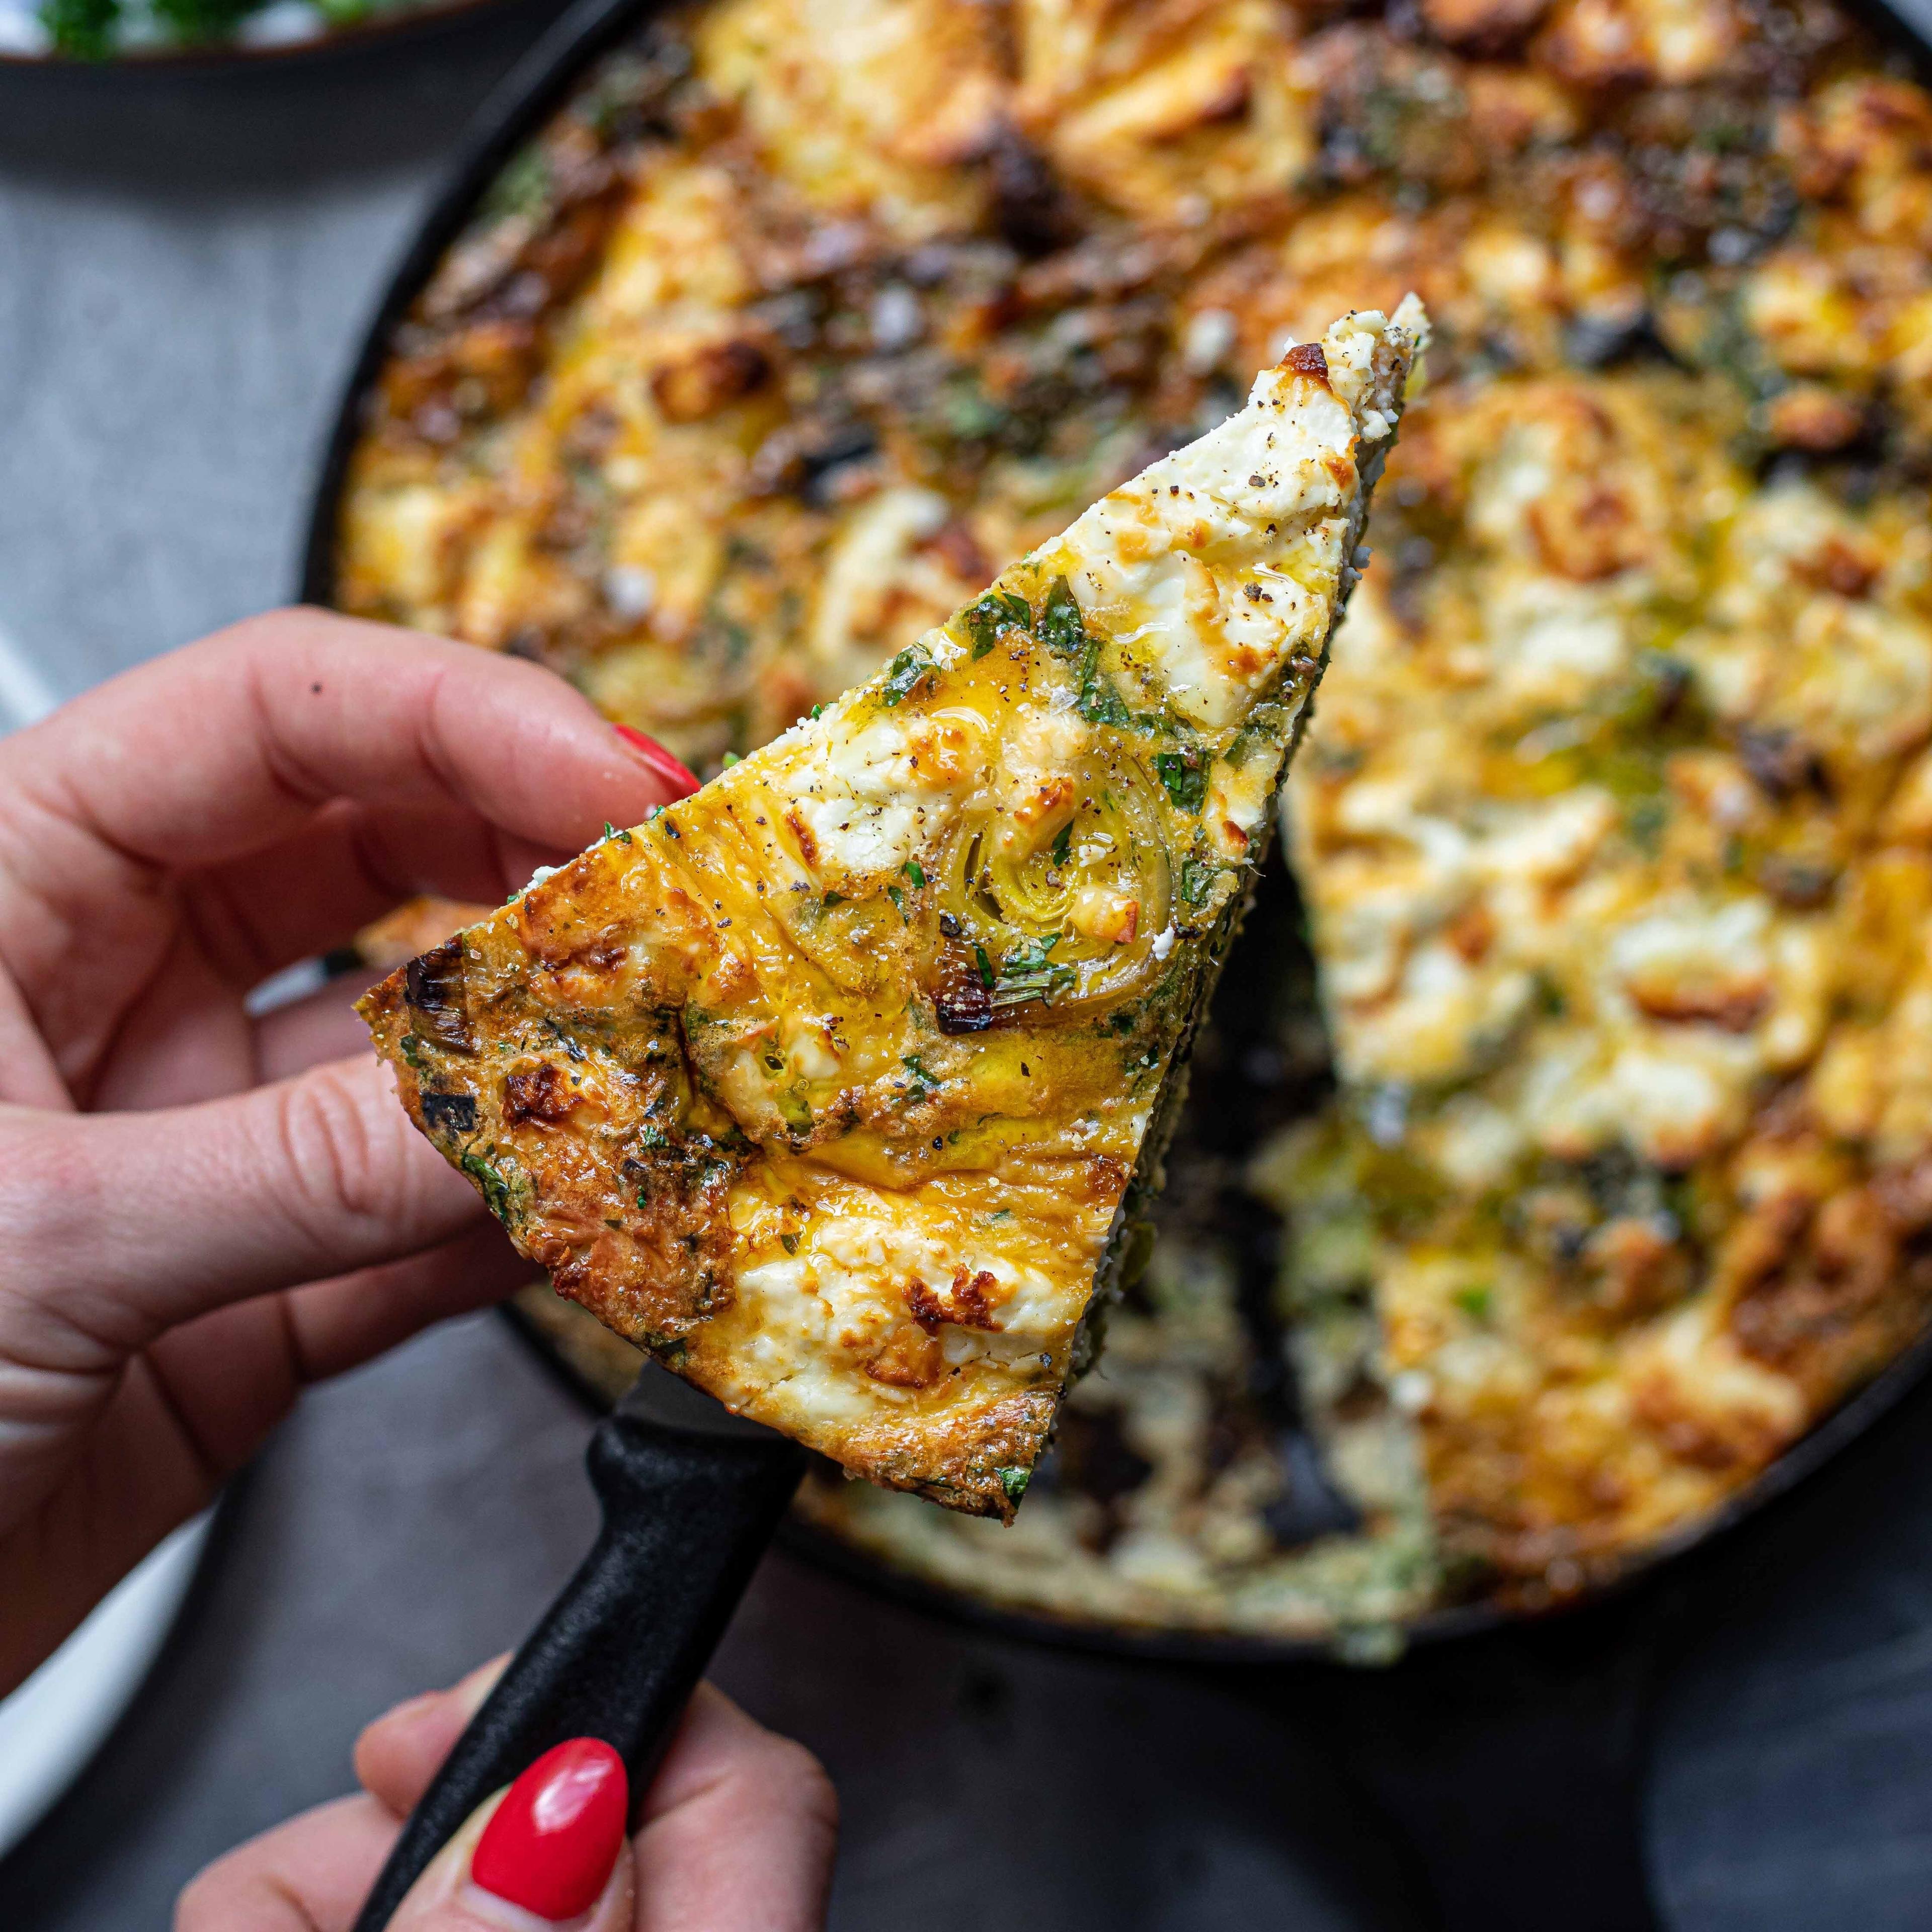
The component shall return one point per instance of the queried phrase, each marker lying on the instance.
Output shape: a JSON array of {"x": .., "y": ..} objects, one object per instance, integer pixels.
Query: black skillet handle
[{"x": 686, "y": 1516}]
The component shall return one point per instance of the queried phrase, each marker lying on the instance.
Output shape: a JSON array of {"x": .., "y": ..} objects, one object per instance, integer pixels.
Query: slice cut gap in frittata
[{"x": 835, "y": 1085}]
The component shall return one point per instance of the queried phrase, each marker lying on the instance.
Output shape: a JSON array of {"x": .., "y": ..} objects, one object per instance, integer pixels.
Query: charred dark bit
[
  {"x": 1032, "y": 210},
  {"x": 452, "y": 1114},
  {"x": 538, "y": 1094},
  {"x": 962, "y": 1001},
  {"x": 433, "y": 986},
  {"x": 1781, "y": 763}
]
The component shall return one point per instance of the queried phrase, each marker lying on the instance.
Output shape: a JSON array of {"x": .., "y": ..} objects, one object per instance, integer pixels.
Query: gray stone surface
[{"x": 184, "y": 266}]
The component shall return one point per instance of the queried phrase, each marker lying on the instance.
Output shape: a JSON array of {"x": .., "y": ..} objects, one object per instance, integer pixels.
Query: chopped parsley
[
  {"x": 906, "y": 674},
  {"x": 488, "y": 1177},
  {"x": 818, "y": 711},
  {"x": 1013, "y": 1480},
  {"x": 1475, "y": 1301},
  {"x": 1062, "y": 628},
  {"x": 1099, "y": 703},
  {"x": 987, "y": 975},
  {"x": 998, "y": 611},
  {"x": 898, "y": 898},
  {"x": 1062, "y": 848},
  {"x": 923, "y": 1086},
  {"x": 1027, "y": 973},
  {"x": 1197, "y": 880},
  {"x": 913, "y": 871},
  {"x": 412, "y": 1053},
  {"x": 1185, "y": 777},
  {"x": 832, "y": 899}
]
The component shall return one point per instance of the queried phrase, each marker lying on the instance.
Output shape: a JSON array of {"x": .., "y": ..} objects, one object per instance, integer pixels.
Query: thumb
[
  {"x": 549, "y": 1849},
  {"x": 135, "y": 1222}
]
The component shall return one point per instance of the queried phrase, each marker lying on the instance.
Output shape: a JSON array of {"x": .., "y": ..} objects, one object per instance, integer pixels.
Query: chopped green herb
[
  {"x": 998, "y": 611},
  {"x": 1062, "y": 628},
  {"x": 906, "y": 674},
  {"x": 1475, "y": 1301},
  {"x": 1026, "y": 974},
  {"x": 1013, "y": 1480},
  {"x": 610, "y": 830},
  {"x": 643, "y": 1198},
  {"x": 495, "y": 1189},
  {"x": 789, "y": 1242},
  {"x": 1185, "y": 777},
  {"x": 832, "y": 899},
  {"x": 412, "y": 1053},
  {"x": 1197, "y": 880},
  {"x": 912, "y": 871},
  {"x": 817, "y": 711},
  {"x": 523, "y": 188},
  {"x": 1062, "y": 848},
  {"x": 922, "y": 1085},
  {"x": 898, "y": 898},
  {"x": 1099, "y": 703},
  {"x": 730, "y": 759},
  {"x": 987, "y": 975},
  {"x": 1645, "y": 821}
]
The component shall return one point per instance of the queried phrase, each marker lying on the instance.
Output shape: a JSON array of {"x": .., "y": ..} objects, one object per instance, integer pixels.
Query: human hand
[
  {"x": 740, "y": 1826},
  {"x": 194, "y": 1226}
]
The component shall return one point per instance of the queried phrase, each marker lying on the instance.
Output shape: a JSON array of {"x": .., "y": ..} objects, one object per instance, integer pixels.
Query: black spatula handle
[{"x": 686, "y": 1516}]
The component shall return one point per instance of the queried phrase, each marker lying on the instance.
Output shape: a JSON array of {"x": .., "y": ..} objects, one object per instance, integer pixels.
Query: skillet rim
[
  {"x": 207, "y": 60},
  {"x": 525, "y": 98}
]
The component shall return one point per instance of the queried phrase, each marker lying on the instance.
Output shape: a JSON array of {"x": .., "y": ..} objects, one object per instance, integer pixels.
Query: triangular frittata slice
[{"x": 833, "y": 1084}]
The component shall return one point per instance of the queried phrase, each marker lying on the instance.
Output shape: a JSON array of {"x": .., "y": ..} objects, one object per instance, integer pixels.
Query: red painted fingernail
[
  {"x": 550, "y": 1846},
  {"x": 680, "y": 777}
]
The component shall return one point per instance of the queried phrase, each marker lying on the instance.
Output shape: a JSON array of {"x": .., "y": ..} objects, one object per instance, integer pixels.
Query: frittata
[
  {"x": 828, "y": 1084},
  {"x": 751, "y": 368}
]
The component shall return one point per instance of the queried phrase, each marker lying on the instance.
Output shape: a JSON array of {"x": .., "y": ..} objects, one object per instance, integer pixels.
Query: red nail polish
[
  {"x": 680, "y": 777},
  {"x": 550, "y": 1846}
]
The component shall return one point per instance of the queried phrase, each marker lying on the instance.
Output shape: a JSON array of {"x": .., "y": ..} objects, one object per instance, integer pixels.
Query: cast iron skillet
[{"x": 1503, "y": 1753}]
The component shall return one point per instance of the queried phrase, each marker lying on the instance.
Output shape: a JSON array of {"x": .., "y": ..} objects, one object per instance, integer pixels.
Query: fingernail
[
  {"x": 551, "y": 1845},
  {"x": 680, "y": 777}
]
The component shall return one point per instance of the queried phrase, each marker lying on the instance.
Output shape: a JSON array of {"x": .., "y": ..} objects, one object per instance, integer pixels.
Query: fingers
[
  {"x": 192, "y": 763},
  {"x": 310, "y": 1875},
  {"x": 212, "y": 751},
  {"x": 161, "y": 1434},
  {"x": 355, "y": 862},
  {"x": 129, "y": 1223},
  {"x": 309, "y": 1032},
  {"x": 740, "y": 1828},
  {"x": 399, "y": 1753},
  {"x": 232, "y": 1375},
  {"x": 550, "y": 1850}
]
